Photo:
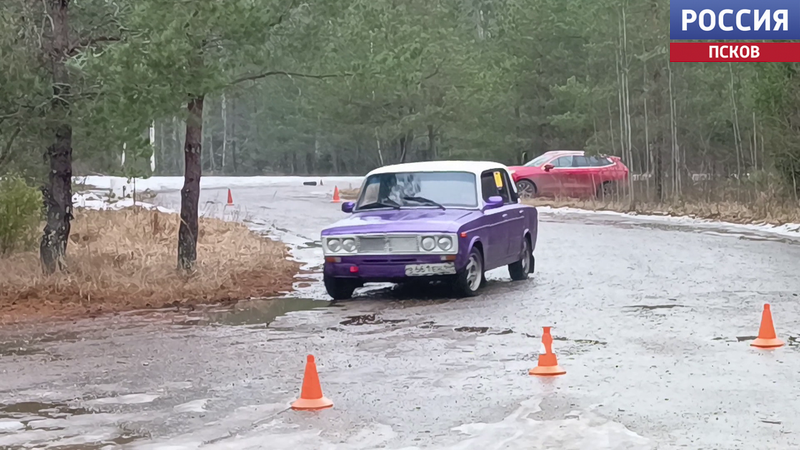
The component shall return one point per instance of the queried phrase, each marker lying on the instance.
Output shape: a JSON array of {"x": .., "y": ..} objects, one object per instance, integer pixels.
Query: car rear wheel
[
  {"x": 340, "y": 288},
  {"x": 526, "y": 189},
  {"x": 524, "y": 267},
  {"x": 469, "y": 280},
  {"x": 606, "y": 190}
]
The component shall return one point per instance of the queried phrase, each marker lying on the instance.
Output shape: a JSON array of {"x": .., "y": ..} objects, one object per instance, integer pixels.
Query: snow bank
[
  {"x": 122, "y": 187},
  {"x": 91, "y": 200},
  {"x": 788, "y": 230}
]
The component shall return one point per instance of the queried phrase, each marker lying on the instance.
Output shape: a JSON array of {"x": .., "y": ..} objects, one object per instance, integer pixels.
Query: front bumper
[{"x": 389, "y": 268}]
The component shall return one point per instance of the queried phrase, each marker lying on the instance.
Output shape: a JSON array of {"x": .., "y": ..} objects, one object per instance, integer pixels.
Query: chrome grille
[
  {"x": 403, "y": 244},
  {"x": 387, "y": 244},
  {"x": 372, "y": 245}
]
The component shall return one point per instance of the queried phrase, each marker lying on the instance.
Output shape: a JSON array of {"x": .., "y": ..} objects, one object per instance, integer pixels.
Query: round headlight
[
  {"x": 334, "y": 245},
  {"x": 445, "y": 243},
  {"x": 349, "y": 245},
  {"x": 428, "y": 243}
]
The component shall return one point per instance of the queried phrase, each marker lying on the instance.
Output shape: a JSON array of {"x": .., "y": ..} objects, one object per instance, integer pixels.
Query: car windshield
[
  {"x": 419, "y": 189},
  {"x": 539, "y": 160}
]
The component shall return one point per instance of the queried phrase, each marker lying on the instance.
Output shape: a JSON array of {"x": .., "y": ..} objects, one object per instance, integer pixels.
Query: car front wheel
[
  {"x": 340, "y": 288},
  {"x": 526, "y": 189},
  {"x": 524, "y": 267},
  {"x": 469, "y": 280}
]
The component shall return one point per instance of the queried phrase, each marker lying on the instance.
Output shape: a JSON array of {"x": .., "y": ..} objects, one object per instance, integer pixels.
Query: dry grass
[
  {"x": 349, "y": 194},
  {"x": 126, "y": 260}
]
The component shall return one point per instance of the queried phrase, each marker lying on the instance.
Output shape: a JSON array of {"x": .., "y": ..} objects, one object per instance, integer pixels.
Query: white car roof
[{"x": 476, "y": 167}]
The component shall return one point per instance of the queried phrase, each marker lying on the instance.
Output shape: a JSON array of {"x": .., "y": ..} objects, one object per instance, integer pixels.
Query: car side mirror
[
  {"x": 348, "y": 207},
  {"x": 494, "y": 201},
  {"x": 548, "y": 167}
]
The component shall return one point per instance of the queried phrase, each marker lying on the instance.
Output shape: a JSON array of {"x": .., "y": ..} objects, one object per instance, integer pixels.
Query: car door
[
  {"x": 516, "y": 224},
  {"x": 498, "y": 223},
  {"x": 583, "y": 176},
  {"x": 563, "y": 182}
]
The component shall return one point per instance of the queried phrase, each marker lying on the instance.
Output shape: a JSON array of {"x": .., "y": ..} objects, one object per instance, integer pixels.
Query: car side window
[
  {"x": 489, "y": 187},
  {"x": 598, "y": 161},
  {"x": 564, "y": 161},
  {"x": 580, "y": 161},
  {"x": 512, "y": 194}
]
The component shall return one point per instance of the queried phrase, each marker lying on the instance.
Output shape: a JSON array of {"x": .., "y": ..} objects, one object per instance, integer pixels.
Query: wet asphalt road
[{"x": 652, "y": 323}]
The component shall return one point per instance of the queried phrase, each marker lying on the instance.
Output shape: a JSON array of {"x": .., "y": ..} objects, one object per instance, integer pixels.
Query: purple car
[{"x": 445, "y": 220}]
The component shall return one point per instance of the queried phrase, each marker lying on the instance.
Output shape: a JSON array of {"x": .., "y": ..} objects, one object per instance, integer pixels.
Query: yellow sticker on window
[{"x": 498, "y": 180}]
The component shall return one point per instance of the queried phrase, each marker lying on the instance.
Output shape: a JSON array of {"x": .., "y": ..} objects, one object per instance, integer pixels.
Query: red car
[{"x": 570, "y": 174}]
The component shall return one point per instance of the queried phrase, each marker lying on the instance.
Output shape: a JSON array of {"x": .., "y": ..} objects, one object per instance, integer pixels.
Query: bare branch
[
  {"x": 91, "y": 42},
  {"x": 7, "y": 152},
  {"x": 288, "y": 74},
  {"x": 435, "y": 72}
]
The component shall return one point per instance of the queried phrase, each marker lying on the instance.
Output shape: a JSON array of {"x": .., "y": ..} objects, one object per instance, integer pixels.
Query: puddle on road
[
  {"x": 483, "y": 330},
  {"x": 652, "y": 307},
  {"x": 36, "y": 410},
  {"x": 32, "y": 346},
  {"x": 471, "y": 329},
  {"x": 564, "y": 339},
  {"x": 17, "y": 348},
  {"x": 255, "y": 312},
  {"x": 368, "y": 319}
]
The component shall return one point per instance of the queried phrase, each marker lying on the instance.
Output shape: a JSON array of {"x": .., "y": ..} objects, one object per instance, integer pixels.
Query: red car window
[
  {"x": 564, "y": 161},
  {"x": 580, "y": 161}
]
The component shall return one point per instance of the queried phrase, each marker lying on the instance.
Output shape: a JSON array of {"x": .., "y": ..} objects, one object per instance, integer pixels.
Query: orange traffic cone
[
  {"x": 311, "y": 398},
  {"x": 336, "y": 198},
  {"x": 230, "y": 198},
  {"x": 766, "y": 334},
  {"x": 548, "y": 364}
]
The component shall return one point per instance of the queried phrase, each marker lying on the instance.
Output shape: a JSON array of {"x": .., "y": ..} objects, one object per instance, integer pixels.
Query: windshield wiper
[
  {"x": 386, "y": 204},
  {"x": 424, "y": 200}
]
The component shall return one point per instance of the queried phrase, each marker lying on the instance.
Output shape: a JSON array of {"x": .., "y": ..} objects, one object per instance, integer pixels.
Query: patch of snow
[
  {"x": 577, "y": 430},
  {"x": 195, "y": 406},
  {"x": 91, "y": 200},
  {"x": 8, "y": 426},
  {"x": 130, "y": 399},
  {"x": 77, "y": 430}
]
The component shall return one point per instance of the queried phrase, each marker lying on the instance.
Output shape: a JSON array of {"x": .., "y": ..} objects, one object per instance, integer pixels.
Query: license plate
[{"x": 426, "y": 270}]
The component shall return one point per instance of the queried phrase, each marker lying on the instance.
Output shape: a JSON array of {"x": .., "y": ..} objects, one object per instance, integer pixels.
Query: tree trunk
[
  {"x": 378, "y": 143},
  {"x": 57, "y": 193},
  {"x": 208, "y": 136},
  {"x": 659, "y": 140},
  {"x": 335, "y": 161},
  {"x": 431, "y": 143},
  {"x": 224, "y": 130},
  {"x": 402, "y": 149},
  {"x": 233, "y": 135},
  {"x": 405, "y": 143},
  {"x": 152, "y": 133},
  {"x": 190, "y": 194},
  {"x": 311, "y": 163}
]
